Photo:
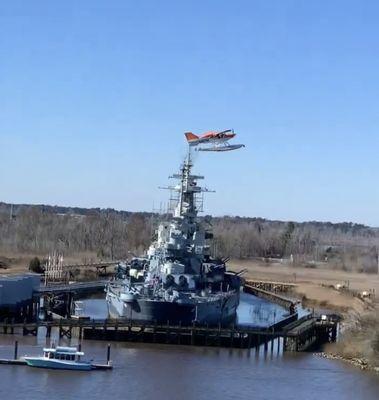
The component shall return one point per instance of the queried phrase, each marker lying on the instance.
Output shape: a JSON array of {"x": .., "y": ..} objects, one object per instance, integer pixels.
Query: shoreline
[
  {"x": 328, "y": 290},
  {"x": 360, "y": 363}
]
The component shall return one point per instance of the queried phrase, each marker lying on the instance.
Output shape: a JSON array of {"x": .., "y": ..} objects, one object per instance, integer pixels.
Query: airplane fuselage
[{"x": 211, "y": 138}]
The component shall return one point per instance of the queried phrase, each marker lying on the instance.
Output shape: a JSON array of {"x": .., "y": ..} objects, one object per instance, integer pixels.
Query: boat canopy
[{"x": 64, "y": 350}]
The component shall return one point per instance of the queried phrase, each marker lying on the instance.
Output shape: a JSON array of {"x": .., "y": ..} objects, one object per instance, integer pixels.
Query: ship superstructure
[{"x": 178, "y": 281}]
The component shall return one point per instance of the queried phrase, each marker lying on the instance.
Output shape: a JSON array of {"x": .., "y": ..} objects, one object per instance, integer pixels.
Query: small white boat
[{"x": 60, "y": 358}]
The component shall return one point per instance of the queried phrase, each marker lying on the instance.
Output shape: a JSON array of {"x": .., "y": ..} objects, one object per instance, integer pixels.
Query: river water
[
  {"x": 143, "y": 371},
  {"x": 252, "y": 311}
]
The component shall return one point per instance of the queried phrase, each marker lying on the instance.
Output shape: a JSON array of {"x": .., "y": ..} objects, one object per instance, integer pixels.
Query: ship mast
[
  {"x": 188, "y": 201},
  {"x": 189, "y": 191}
]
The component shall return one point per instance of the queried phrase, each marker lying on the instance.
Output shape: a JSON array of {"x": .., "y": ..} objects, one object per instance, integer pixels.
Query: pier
[
  {"x": 78, "y": 288},
  {"x": 290, "y": 334},
  {"x": 309, "y": 332},
  {"x": 58, "y": 298},
  {"x": 255, "y": 288},
  {"x": 21, "y": 361},
  {"x": 271, "y": 286}
]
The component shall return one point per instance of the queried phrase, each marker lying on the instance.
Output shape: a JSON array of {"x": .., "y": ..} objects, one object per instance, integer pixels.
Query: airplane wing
[{"x": 209, "y": 137}]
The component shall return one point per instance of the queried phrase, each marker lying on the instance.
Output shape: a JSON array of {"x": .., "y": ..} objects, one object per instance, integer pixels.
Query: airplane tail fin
[{"x": 190, "y": 136}]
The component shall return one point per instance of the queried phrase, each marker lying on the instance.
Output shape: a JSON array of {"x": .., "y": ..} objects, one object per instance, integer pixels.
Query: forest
[{"x": 111, "y": 234}]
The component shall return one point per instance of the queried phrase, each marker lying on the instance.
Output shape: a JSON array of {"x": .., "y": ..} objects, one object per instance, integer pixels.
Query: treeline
[
  {"x": 257, "y": 237},
  {"x": 115, "y": 234},
  {"x": 344, "y": 246},
  {"x": 40, "y": 230}
]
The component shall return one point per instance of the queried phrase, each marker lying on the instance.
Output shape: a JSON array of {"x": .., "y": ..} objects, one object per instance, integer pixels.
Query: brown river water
[{"x": 143, "y": 371}]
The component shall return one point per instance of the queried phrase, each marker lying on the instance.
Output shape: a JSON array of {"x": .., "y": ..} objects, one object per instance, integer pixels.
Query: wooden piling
[
  {"x": 15, "y": 350},
  {"x": 108, "y": 354},
  {"x": 193, "y": 334}
]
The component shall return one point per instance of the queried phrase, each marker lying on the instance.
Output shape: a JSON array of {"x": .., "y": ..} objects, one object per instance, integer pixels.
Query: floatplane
[{"x": 213, "y": 140}]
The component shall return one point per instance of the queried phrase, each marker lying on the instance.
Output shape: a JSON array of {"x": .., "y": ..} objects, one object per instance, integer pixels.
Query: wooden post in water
[
  {"x": 16, "y": 350},
  {"x": 231, "y": 336},
  {"x": 5, "y": 327},
  {"x": 193, "y": 334},
  {"x": 180, "y": 331},
  {"x": 48, "y": 331},
  {"x": 168, "y": 332},
  {"x": 108, "y": 354}
]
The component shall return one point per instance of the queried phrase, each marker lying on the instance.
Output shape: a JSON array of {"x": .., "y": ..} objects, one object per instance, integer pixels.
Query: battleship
[{"x": 178, "y": 281}]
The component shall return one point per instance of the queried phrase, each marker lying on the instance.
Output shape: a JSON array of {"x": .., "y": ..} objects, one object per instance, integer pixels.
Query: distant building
[{"x": 16, "y": 294}]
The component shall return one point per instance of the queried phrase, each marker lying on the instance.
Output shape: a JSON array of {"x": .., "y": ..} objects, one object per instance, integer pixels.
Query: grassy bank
[{"x": 359, "y": 335}]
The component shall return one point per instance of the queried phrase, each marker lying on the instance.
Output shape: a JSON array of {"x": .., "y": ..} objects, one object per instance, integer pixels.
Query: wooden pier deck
[
  {"x": 309, "y": 332},
  {"x": 295, "y": 335},
  {"x": 78, "y": 288},
  {"x": 271, "y": 296},
  {"x": 19, "y": 361},
  {"x": 271, "y": 286}
]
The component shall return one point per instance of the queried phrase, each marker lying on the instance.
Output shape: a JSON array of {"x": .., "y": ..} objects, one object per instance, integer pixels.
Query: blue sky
[{"x": 95, "y": 97}]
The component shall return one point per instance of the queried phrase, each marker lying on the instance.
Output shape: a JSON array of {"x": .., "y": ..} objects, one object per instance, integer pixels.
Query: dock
[
  {"x": 290, "y": 333},
  {"x": 271, "y": 286},
  {"x": 255, "y": 288},
  {"x": 309, "y": 332},
  {"x": 77, "y": 288},
  {"x": 21, "y": 361},
  {"x": 6, "y": 361}
]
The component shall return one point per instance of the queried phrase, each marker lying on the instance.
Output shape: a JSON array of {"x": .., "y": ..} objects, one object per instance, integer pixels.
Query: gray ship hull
[{"x": 213, "y": 312}]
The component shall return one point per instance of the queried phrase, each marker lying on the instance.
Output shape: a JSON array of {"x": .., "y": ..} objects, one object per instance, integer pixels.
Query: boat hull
[
  {"x": 40, "y": 362},
  {"x": 222, "y": 310}
]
